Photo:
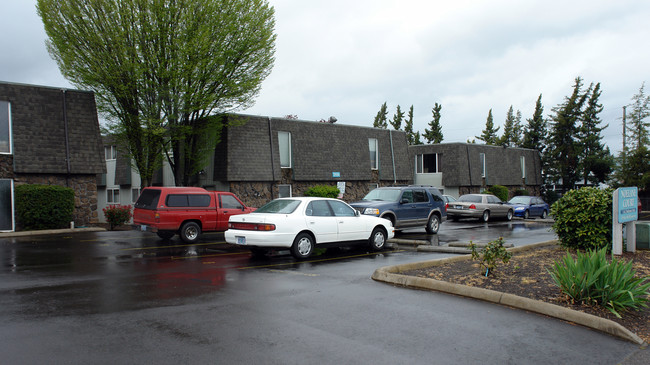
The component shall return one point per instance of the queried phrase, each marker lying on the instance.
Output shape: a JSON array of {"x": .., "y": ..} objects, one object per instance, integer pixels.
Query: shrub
[
  {"x": 521, "y": 192},
  {"x": 44, "y": 206},
  {"x": 499, "y": 191},
  {"x": 490, "y": 255},
  {"x": 583, "y": 218},
  {"x": 324, "y": 191},
  {"x": 117, "y": 215},
  {"x": 591, "y": 279}
]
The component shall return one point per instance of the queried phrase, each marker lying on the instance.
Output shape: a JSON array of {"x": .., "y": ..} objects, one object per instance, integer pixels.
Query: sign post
[{"x": 625, "y": 210}]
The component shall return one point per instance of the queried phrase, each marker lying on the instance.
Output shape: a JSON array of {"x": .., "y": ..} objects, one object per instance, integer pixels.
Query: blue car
[{"x": 529, "y": 206}]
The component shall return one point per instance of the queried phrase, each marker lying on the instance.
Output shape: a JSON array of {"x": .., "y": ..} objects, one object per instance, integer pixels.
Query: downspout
[
  {"x": 272, "y": 155},
  {"x": 392, "y": 155},
  {"x": 67, "y": 138},
  {"x": 469, "y": 167}
]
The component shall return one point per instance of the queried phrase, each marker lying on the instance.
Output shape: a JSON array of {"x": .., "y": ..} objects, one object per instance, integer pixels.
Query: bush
[
  {"x": 583, "y": 218},
  {"x": 499, "y": 191},
  {"x": 590, "y": 279},
  {"x": 521, "y": 192},
  {"x": 44, "y": 206},
  {"x": 323, "y": 191},
  {"x": 117, "y": 215},
  {"x": 490, "y": 255}
]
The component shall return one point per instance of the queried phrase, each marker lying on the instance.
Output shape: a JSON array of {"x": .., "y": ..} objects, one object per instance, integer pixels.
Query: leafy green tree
[
  {"x": 434, "y": 133},
  {"x": 412, "y": 138},
  {"x": 595, "y": 159},
  {"x": 535, "y": 131},
  {"x": 164, "y": 70},
  {"x": 397, "y": 119},
  {"x": 511, "y": 129},
  {"x": 489, "y": 135},
  {"x": 381, "y": 120},
  {"x": 564, "y": 148}
]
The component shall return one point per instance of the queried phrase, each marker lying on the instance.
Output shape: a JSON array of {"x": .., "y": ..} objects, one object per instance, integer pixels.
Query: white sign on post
[{"x": 625, "y": 210}]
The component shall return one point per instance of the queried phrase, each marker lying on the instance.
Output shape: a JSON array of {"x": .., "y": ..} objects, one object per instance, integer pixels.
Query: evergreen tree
[
  {"x": 535, "y": 131},
  {"x": 595, "y": 158},
  {"x": 564, "y": 150},
  {"x": 634, "y": 161},
  {"x": 397, "y": 119},
  {"x": 511, "y": 129},
  {"x": 489, "y": 134},
  {"x": 381, "y": 120},
  {"x": 412, "y": 138},
  {"x": 434, "y": 134}
]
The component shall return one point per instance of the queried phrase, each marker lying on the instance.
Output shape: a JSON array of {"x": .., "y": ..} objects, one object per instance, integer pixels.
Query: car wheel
[
  {"x": 544, "y": 214},
  {"x": 190, "y": 232},
  {"x": 526, "y": 214},
  {"x": 433, "y": 225},
  {"x": 509, "y": 215},
  {"x": 165, "y": 234},
  {"x": 377, "y": 239},
  {"x": 486, "y": 216},
  {"x": 303, "y": 246}
]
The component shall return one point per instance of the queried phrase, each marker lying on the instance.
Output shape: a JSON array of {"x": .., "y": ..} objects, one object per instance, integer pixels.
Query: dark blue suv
[{"x": 406, "y": 206}]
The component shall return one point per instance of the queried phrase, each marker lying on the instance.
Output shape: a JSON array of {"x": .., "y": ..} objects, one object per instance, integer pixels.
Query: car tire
[
  {"x": 190, "y": 232},
  {"x": 526, "y": 214},
  {"x": 377, "y": 239},
  {"x": 486, "y": 216},
  {"x": 302, "y": 246},
  {"x": 509, "y": 215},
  {"x": 165, "y": 234},
  {"x": 433, "y": 225},
  {"x": 544, "y": 214}
]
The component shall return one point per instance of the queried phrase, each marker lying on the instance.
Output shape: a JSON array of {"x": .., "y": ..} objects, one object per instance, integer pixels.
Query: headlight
[
  {"x": 371, "y": 211},
  {"x": 519, "y": 209}
]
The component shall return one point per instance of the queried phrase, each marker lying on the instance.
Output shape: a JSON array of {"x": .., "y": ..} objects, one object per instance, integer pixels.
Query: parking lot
[{"x": 130, "y": 297}]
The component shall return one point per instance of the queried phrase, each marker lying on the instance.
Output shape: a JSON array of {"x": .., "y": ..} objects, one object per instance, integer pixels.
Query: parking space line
[{"x": 173, "y": 246}]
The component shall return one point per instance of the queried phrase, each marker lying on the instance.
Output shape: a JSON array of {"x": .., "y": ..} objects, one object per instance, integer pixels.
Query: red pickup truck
[{"x": 186, "y": 211}]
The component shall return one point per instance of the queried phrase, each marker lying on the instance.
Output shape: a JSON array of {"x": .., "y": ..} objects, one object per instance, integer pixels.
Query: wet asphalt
[{"x": 130, "y": 297}]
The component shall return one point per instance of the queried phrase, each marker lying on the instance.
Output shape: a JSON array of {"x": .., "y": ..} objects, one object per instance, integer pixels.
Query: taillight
[
  {"x": 156, "y": 216},
  {"x": 251, "y": 226},
  {"x": 472, "y": 206},
  {"x": 447, "y": 206}
]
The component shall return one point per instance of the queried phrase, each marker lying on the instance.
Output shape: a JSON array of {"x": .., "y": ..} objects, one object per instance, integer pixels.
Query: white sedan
[{"x": 301, "y": 224}]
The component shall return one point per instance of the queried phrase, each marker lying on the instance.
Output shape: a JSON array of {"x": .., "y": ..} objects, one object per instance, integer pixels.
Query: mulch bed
[{"x": 526, "y": 275}]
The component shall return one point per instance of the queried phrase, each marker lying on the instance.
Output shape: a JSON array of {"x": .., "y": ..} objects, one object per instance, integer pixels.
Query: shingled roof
[{"x": 55, "y": 130}]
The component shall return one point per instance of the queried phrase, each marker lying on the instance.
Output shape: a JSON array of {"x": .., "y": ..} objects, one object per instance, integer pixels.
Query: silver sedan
[{"x": 481, "y": 206}]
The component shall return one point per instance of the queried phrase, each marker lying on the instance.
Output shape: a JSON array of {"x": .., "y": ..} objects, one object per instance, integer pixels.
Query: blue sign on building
[{"x": 628, "y": 204}]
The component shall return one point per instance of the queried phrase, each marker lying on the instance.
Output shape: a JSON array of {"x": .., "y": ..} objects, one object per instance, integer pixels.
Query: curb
[
  {"x": 51, "y": 231},
  {"x": 393, "y": 275}
]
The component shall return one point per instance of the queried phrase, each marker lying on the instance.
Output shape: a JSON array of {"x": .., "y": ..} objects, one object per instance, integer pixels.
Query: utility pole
[{"x": 624, "y": 133}]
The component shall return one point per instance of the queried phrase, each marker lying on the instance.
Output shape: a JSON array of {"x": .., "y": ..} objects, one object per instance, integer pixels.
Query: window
[
  {"x": 374, "y": 153},
  {"x": 135, "y": 193},
  {"x": 420, "y": 196},
  {"x": 230, "y": 202},
  {"x": 426, "y": 163},
  {"x": 6, "y": 205},
  {"x": 5, "y": 127},
  {"x": 113, "y": 196},
  {"x": 523, "y": 167},
  {"x": 284, "y": 140},
  {"x": 188, "y": 200},
  {"x": 110, "y": 152},
  {"x": 284, "y": 191},
  {"x": 341, "y": 209},
  {"x": 318, "y": 208},
  {"x": 482, "y": 162}
]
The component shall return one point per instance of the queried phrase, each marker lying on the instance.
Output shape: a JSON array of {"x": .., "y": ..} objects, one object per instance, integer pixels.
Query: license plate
[
  {"x": 458, "y": 206},
  {"x": 241, "y": 240}
]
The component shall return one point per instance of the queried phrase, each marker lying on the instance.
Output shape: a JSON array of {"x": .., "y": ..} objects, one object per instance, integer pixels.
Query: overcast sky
[{"x": 344, "y": 58}]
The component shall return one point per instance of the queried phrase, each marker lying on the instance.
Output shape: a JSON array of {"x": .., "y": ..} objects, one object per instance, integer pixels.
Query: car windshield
[
  {"x": 390, "y": 195},
  {"x": 280, "y": 206},
  {"x": 471, "y": 199},
  {"x": 520, "y": 200}
]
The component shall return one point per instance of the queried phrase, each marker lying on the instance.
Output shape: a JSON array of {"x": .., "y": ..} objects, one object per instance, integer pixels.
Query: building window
[
  {"x": 6, "y": 205},
  {"x": 135, "y": 194},
  {"x": 427, "y": 163},
  {"x": 110, "y": 152},
  {"x": 5, "y": 127},
  {"x": 284, "y": 140},
  {"x": 374, "y": 153},
  {"x": 113, "y": 196},
  {"x": 483, "y": 167},
  {"x": 284, "y": 191},
  {"x": 523, "y": 167}
]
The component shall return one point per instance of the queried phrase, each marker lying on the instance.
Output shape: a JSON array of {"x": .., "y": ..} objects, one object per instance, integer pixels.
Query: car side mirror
[
  {"x": 356, "y": 213},
  {"x": 404, "y": 201}
]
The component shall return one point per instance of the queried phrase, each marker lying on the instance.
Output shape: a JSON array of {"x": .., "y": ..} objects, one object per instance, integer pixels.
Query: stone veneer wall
[
  {"x": 532, "y": 190},
  {"x": 6, "y": 167},
  {"x": 85, "y": 193},
  {"x": 256, "y": 194}
]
